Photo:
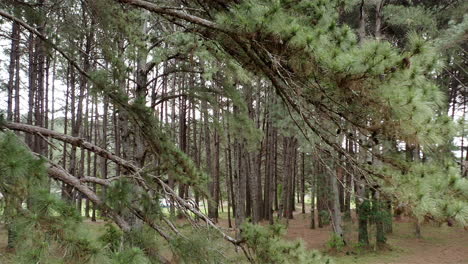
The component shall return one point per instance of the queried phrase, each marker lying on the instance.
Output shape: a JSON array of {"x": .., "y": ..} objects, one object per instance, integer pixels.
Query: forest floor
[{"x": 439, "y": 245}]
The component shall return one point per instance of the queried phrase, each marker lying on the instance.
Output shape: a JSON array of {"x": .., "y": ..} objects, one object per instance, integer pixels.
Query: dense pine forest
[{"x": 233, "y": 131}]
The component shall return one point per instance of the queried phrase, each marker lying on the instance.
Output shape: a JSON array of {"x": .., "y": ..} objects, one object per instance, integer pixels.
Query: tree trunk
[
  {"x": 17, "y": 115},
  {"x": 303, "y": 182},
  {"x": 313, "y": 193},
  {"x": 380, "y": 238},
  {"x": 216, "y": 167},
  {"x": 103, "y": 160},
  {"x": 362, "y": 207},
  {"x": 336, "y": 211},
  {"x": 378, "y": 18},
  {"x": 14, "y": 50},
  {"x": 269, "y": 171}
]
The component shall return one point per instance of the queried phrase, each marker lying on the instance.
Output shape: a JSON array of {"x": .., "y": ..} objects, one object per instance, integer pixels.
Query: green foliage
[
  {"x": 335, "y": 242},
  {"x": 453, "y": 35},
  {"x": 146, "y": 239},
  {"x": 139, "y": 245},
  {"x": 173, "y": 160},
  {"x": 241, "y": 125},
  {"x": 48, "y": 229},
  {"x": 267, "y": 246},
  {"x": 48, "y": 237},
  {"x": 325, "y": 217},
  {"x": 19, "y": 169},
  {"x": 150, "y": 204},
  {"x": 433, "y": 190},
  {"x": 373, "y": 82},
  {"x": 409, "y": 17},
  {"x": 112, "y": 238},
  {"x": 129, "y": 256},
  {"x": 379, "y": 214},
  {"x": 120, "y": 194},
  {"x": 364, "y": 210},
  {"x": 199, "y": 246},
  {"x": 391, "y": 86}
]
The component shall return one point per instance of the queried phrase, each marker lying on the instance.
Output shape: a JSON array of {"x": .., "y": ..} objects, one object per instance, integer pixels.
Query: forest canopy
[{"x": 197, "y": 130}]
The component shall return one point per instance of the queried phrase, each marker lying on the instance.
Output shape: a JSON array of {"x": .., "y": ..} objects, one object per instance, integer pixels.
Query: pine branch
[
  {"x": 79, "y": 142},
  {"x": 74, "y": 141},
  {"x": 58, "y": 173},
  {"x": 104, "y": 182},
  {"x": 174, "y": 13}
]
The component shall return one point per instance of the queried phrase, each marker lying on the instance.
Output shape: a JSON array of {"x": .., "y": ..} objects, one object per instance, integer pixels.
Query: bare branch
[
  {"x": 174, "y": 13},
  {"x": 58, "y": 173}
]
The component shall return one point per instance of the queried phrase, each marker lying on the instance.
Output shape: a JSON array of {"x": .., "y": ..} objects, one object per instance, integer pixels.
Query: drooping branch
[
  {"x": 79, "y": 142},
  {"x": 141, "y": 121},
  {"x": 261, "y": 59},
  {"x": 173, "y": 13},
  {"x": 263, "y": 64},
  {"x": 104, "y": 182},
  {"x": 74, "y": 141},
  {"x": 282, "y": 88},
  {"x": 58, "y": 173},
  {"x": 140, "y": 118}
]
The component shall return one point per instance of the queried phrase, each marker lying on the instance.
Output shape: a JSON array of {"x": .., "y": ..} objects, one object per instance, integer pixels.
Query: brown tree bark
[
  {"x": 269, "y": 183},
  {"x": 313, "y": 194},
  {"x": 303, "y": 182},
  {"x": 14, "y": 55}
]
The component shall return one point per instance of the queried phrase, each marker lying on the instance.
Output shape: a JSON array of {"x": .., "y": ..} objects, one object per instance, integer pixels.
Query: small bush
[
  {"x": 335, "y": 242},
  {"x": 112, "y": 238},
  {"x": 199, "y": 246},
  {"x": 267, "y": 246}
]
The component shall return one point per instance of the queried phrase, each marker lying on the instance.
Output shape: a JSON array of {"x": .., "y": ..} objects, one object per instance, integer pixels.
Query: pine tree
[{"x": 190, "y": 105}]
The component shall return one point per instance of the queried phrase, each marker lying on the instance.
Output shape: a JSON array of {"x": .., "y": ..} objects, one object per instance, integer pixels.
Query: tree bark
[
  {"x": 303, "y": 182},
  {"x": 378, "y": 18},
  {"x": 362, "y": 208},
  {"x": 336, "y": 211},
  {"x": 14, "y": 50},
  {"x": 313, "y": 193}
]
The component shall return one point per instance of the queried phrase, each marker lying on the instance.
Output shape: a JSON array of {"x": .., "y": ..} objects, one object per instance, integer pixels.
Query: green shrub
[
  {"x": 267, "y": 246},
  {"x": 324, "y": 216},
  {"x": 112, "y": 238},
  {"x": 199, "y": 246},
  {"x": 335, "y": 242}
]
